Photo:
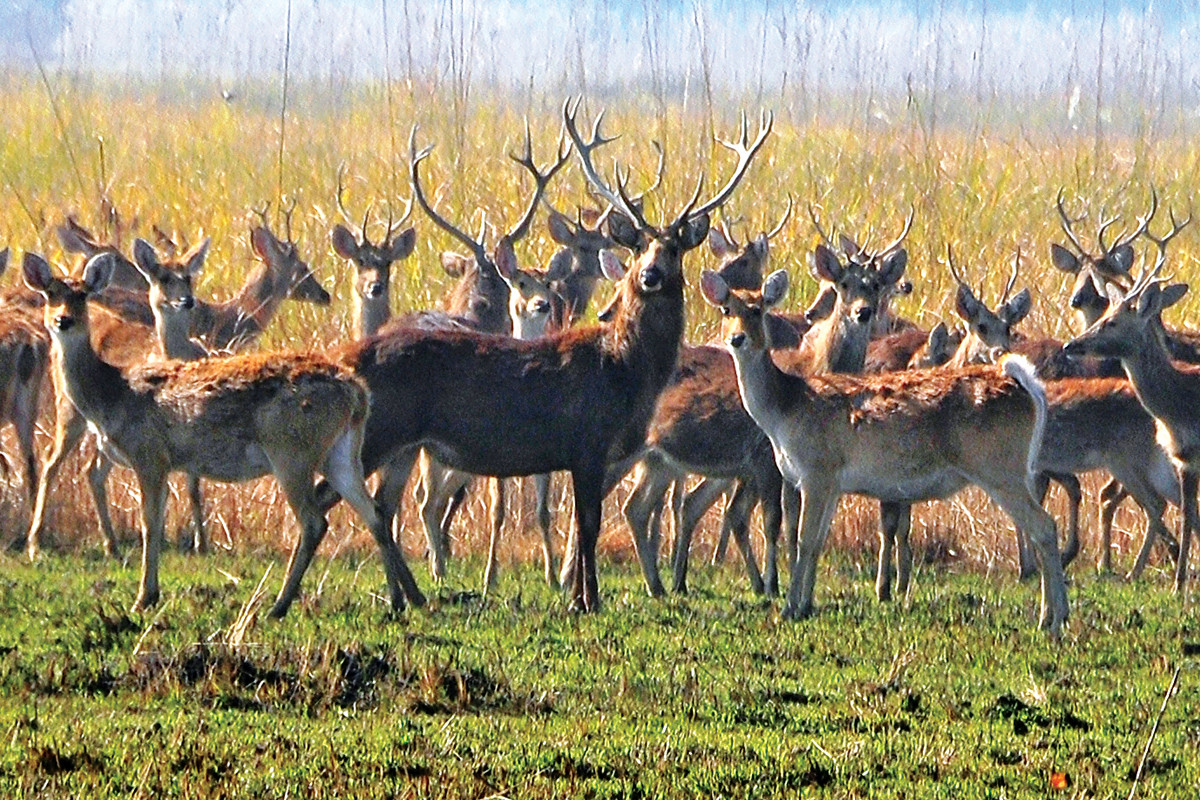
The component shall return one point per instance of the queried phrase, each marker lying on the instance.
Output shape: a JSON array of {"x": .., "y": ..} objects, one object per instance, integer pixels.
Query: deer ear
[
  {"x": 822, "y": 306},
  {"x": 622, "y": 231},
  {"x": 3, "y": 260},
  {"x": 1120, "y": 260},
  {"x": 344, "y": 243},
  {"x": 146, "y": 260},
  {"x": 72, "y": 239},
  {"x": 402, "y": 245},
  {"x": 965, "y": 304},
  {"x": 1017, "y": 308},
  {"x": 1173, "y": 294},
  {"x": 694, "y": 232},
  {"x": 455, "y": 264},
  {"x": 850, "y": 248},
  {"x": 194, "y": 260},
  {"x": 775, "y": 287},
  {"x": 1115, "y": 298},
  {"x": 892, "y": 268},
  {"x": 560, "y": 265},
  {"x": 609, "y": 311},
  {"x": 611, "y": 266},
  {"x": 560, "y": 229},
  {"x": 826, "y": 265},
  {"x": 37, "y": 272},
  {"x": 761, "y": 247},
  {"x": 506, "y": 260},
  {"x": 264, "y": 242},
  {"x": 1064, "y": 260},
  {"x": 714, "y": 288},
  {"x": 97, "y": 272},
  {"x": 720, "y": 244},
  {"x": 939, "y": 338},
  {"x": 1149, "y": 304}
]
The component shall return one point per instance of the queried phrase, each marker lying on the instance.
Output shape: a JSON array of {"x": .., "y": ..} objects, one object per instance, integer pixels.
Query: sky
[{"x": 878, "y": 51}]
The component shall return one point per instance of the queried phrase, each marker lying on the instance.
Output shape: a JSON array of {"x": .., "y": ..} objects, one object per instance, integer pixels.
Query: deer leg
[
  {"x": 1111, "y": 497},
  {"x": 904, "y": 554},
  {"x": 889, "y": 524},
  {"x": 1070, "y": 485},
  {"x": 790, "y": 500},
  {"x": 695, "y": 504},
  {"x": 343, "y": 469},
  {"x": 297, "y": 484},
  {"x": 643, "y": 504},
  {"x": 817, "y": 506},
  {"x": 1027, "y": 566},
  {"x": 1039, "y": 526},
  {"x": 769, "y": 486},
  {"x": 153, "y": 485},
  {"x": 740, "y": 508},
  {"x": 25, "y": 420},
  {"x": 587, "y": 483},
  {"x": 198, "y": 540},
  {"x": 1188, "y": 478},
  {"x": 496, "y": 507},
  {"x": 542, "y": 485},
  {"x": 98, "y": 468},
  {"x": 69, "y": 426}
]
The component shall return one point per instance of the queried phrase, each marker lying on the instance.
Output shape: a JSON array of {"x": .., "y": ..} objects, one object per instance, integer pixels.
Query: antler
[
  {"x": 912, "y": 211},
  {"x": 1143, "y": 224},
  {"x": 1161, "y": 242},
  {"x": 540, "y": 179},
  {"x": 812, "y": 214},
  {"x": 787, "y": 214},
  {"x": 415, "y": 158},
  {"x": 287, "y": 216},
  {"x": 1012, "y": 279},
  {"x": 619, "y": 201},
  {"x": 391, "y": 227},
  {"x": 745, "y": 152},
  {"x": 1068, "y": 223},
  {"x": 953, "y": 269}
]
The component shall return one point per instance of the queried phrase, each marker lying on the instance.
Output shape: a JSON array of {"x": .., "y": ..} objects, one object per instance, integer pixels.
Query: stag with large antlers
[
  {"x": 576, "y": 400},
  {"x": 1132, "y": 331}
]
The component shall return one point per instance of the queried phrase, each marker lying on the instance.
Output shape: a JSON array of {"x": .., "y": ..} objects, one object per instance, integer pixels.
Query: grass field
[{"x": 950, "y": 694}]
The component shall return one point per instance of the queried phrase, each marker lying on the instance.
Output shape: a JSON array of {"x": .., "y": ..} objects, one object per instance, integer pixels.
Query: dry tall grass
[{"x": 197, "y": 167}]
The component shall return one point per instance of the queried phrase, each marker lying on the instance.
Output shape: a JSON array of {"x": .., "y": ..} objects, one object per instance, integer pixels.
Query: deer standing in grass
[
  {"x": 292, "y": 415},
  {"x": 1132, "y": 331},
  {"x": 576, "y": 400},
  {"x": 220, "y": 326},
  {"x": 901, "y": 437}
]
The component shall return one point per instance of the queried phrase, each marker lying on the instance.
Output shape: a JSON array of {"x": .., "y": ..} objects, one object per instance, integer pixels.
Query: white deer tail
[{"x": 1022, "y": 371}]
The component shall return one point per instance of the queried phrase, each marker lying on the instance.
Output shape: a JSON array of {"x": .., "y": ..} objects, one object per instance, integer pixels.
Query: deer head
[
  {"x": 66, "y": 310},
  {"x": 742, "y": 266},
  {"x": 1132, "y": 325},
  {"x": 282, "y": 258},
  {"x": 1095, "y": 271},
  {"x": 987, "y": 329},
  {"x": 77, "y": 239},
  {"x": 171, "y": 295},
  {"x": 744, "y": 310}
]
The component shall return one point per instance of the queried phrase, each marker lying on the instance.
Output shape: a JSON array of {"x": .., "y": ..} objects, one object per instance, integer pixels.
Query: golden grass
[{"x": 197, "y": 167}]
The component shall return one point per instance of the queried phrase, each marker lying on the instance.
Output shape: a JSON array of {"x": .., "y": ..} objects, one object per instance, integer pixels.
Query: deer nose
[
  {"x": 737, "y": 339},
  {"x": 186, "y": 303},
  {"x": 540, "y": 305},
  {"x": 652, "y": 278},
  {"x": 374, "y": 289},
  {"x": 63, "y": 322},
  {"x": 862, "y": 315}
]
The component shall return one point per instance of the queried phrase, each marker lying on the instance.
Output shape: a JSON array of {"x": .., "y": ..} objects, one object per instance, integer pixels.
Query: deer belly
[
  {"x": 899, "y": 487},
  {"x": 228, "y": 461}
]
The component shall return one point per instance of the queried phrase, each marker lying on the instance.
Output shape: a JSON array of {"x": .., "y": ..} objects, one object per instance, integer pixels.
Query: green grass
[{"x": 954, "y": 694}]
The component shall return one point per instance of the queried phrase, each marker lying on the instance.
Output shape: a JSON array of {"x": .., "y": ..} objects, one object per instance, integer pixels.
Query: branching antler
[
  {"x": 812, "y": 215},
  {"x": 745, "y": 151},
  {"x": 617, "y": 200},
  {"x": 540, "y": 179},
  {"x": 787, "y": 214},
  {"x": 1161, "y": 243},
  {"x": 392, "y": 227},
  {"x": 1012, "y": 279}
]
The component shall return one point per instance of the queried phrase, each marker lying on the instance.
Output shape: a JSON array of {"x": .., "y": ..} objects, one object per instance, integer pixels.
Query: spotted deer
[
  {"x": 1132, "y": 331},
  {"x": 576, "y": 400},
  {"x": 217, "y": 326},
  {"x": 293, "y": 415},
  {"x": 901, "y": 437}
]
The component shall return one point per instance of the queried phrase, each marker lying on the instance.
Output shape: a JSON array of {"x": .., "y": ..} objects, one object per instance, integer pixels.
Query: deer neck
[
  {"x": 1166, "y": 392},
  {"x": 646, "y": 335},
  {"x": 372, "y": 313},
  {"x": 839, "y": 345},
  {"x": 95, "y": 387},
  {"x": 242, "y": 318},
  {"x": 174, "y": 338},
  {"x": 766, "y": 390}
]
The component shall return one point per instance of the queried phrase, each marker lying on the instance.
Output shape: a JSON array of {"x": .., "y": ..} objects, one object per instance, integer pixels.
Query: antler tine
[
  {"x": 1012, "y": 279},
  {"x": 787, "y": 214},
  {"x": 953, "y": 269},
  {"x": 287, "y": 217},
  {"x": 812, "y": 214},
  {"x": 661, "y": 169},
  {"x": 912, "y": 212},
  {"x": 1067, "y": 222},
  {"x": 398, "y": 224},
  {"x": 415, "y": 158},
  {"x": 261, "y": 213},
  {"x": 341, "y": 190},
  {"x": 746, "y": 152},
  {"x": 540, "y": 179},
  {"x": 618, "y": 201},
  {"x": 1105, "y": 224},
  {"x": 1143, "y": 221}
]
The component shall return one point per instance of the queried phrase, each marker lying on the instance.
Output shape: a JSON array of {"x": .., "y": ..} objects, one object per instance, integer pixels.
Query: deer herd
[{"x": 788, "y": 411}]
